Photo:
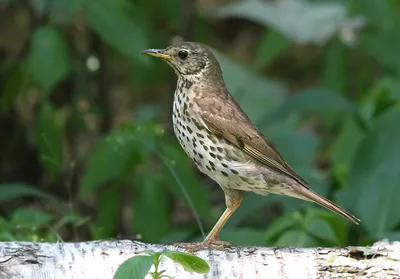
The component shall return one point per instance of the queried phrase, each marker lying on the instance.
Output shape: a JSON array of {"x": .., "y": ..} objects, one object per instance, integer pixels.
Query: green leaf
[
  {"x": 49, "y": 60},
  {"x": 259, "y": 98},
  {"x": 315, "y": 22},
  {"x": 335, "y": 67},
  {"x": 271, "y": 46},
  {"x": 108, "y": 210},
  {"x": 322, "y": 229},
  {"x": 29, "y": 217},
  {"x": 12, "y": 83},
  {"x": 134, "y": 268},
  {"x": 12, "y": 191},
  {"x": 243, "y": 236},
  {"x": 383, "y": 46},
  {"x": 117, "y": 28},
  {"x": 379, "y": 13},
  {"x": 189, "y": 262},
  {"x": 280, "y": 225},
  {"x": 295, "y": 238},
  {"x": 311, "y": 100},
  {"x": 337, "y": 233},
  {"x": 150, "y": 203},
  {"x": 109, "y": 160},
  {"x": 344, "y": 148},
  {"x": 374, "y": 177},
  {"x": 49, "y": 140},
  {"x": 6, "y": 230},
  {"x": 375, "y": 100}
]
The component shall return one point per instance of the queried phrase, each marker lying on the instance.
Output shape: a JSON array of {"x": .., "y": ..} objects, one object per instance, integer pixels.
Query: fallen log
[{"x": 100, "y": 259}]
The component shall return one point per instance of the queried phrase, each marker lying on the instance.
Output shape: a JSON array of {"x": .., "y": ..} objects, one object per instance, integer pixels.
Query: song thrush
[{"x": 223, "y": 143}]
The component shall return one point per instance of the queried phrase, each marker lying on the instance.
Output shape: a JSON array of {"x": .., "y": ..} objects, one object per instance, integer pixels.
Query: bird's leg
[{"x": 233, "y": 200}]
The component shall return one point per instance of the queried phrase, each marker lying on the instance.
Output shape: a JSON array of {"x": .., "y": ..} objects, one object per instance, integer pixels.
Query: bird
[{"x": 223, "y": 142}]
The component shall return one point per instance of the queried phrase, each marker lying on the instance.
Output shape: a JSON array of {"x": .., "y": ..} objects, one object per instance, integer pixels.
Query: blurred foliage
[{"x": 87, "y": 149}]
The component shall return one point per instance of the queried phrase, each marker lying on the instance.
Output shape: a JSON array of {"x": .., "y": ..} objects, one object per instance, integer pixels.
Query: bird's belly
[{"x": 220, "y": 160}]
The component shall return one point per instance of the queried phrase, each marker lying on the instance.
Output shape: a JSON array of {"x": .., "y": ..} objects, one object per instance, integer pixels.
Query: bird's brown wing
[{"x": 222, "y": 116}]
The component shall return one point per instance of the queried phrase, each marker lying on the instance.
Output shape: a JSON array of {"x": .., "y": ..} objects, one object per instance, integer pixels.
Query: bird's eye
[{"x": 183, "y": 54}]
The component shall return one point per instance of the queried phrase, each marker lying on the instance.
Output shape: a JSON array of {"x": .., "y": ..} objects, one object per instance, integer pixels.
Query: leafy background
[{"x": 87, "y": 150}]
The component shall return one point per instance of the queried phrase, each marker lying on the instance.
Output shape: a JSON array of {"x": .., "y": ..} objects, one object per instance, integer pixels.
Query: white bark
[{"x": 100, "y": 259}]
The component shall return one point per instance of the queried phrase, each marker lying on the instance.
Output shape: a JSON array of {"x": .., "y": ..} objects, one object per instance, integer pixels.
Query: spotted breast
[{"x": 213, "y": 155}]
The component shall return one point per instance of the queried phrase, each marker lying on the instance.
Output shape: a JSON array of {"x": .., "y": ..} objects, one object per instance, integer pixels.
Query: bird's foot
[{"x": 197, "y": 246}]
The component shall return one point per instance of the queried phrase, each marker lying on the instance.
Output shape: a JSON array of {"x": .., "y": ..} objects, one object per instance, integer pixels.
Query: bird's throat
[{"x": 185, "y": 83}]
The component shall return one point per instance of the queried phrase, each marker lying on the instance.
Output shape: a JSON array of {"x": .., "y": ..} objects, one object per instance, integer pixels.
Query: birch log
[{"x": 100, "y": 259}]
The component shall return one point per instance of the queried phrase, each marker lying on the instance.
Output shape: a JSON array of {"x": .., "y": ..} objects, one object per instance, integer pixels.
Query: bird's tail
[{"x": 309, "y": 195}]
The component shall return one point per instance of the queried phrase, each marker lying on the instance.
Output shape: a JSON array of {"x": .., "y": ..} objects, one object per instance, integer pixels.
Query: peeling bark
[{"x": 100, "y": 259}]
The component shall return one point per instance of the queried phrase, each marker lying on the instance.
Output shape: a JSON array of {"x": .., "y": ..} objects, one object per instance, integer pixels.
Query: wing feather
[{"x": 222, "y": 116}]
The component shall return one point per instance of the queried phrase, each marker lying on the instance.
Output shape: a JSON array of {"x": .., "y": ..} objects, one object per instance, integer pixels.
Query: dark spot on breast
[
  {"x": 189, "y": 130},
  {"x": 224, "y": 173},
  {"x": 194, "y": 144},
  {"x": 219, "y": 157},
  {"x": 195, "y": 152},
  {"x": 212, "y": 138},
  {"x": 200, "y": 135},
  {"x": 208, "y": 168},
  {"x": 212, "y": 155},
  {"x": 201, "y": 156},
  {"x": 197, "y": 124},
  {"x": 234, "y": 171},
  {"x": 205, "y": 147},
  {"x": 219, "y": 149},
  {"x": 201, "y": 142},
  {"x": 224, "y": 165},
  {"x": 212, "y": 148},
  {"x": 187, "y": 84}
]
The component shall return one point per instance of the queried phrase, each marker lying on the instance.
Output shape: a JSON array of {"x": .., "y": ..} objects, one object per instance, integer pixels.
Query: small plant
[{"x": 139, "y": 266}]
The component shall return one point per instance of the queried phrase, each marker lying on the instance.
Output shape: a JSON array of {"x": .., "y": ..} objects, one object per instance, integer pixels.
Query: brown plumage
[
  {"x": 224, "y": 144},
  {"x": 231, "y": 123}
]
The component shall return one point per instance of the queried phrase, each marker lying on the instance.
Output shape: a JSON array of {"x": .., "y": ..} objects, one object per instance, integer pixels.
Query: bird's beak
[{"x": 157, "y": 53}]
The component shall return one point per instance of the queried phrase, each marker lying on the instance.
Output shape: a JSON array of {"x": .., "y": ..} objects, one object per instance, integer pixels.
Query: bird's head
[{"x": 189, "y": 60}]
